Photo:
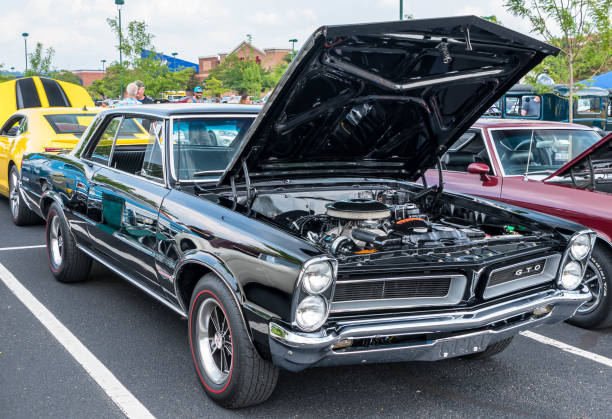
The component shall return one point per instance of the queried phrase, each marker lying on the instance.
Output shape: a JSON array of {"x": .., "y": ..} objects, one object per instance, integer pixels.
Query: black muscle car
[{"x": 293, "y": 235}]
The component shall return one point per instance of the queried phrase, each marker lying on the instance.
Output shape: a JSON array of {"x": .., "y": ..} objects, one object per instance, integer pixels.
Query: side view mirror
[{"x": 480, "y": 169}]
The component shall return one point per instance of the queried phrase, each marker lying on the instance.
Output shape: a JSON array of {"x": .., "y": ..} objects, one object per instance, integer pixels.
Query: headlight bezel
[
  {"x": 569, "y": 257},
  {"x": 300, "y": 293}
]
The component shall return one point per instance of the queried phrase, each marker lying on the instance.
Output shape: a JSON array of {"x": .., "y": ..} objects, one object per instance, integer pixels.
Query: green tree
[
  {"x": 135, "y": 40},
  {"x": 40, "y": 60},
  {"x": 581, "y": 23},
  {"x": 214, "y": 87},
  {"x": 65, "y": 75},
  {"x": 151, "y": 71},
  {"x": 493, "y": 19},
  {"x": 5, "y": 77}
]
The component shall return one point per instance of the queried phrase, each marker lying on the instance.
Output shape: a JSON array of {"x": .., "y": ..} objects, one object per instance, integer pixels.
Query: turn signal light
[{"x": 53, "y": 150}]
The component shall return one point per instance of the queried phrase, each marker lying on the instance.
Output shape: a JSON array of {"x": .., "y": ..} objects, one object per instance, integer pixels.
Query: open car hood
[
  {"x": 382, "y": 99},
  {"x": 600, "y": 152}
]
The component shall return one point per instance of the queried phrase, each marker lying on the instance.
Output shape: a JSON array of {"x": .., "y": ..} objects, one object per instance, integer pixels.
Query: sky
[{"x": 78, "y": 31}]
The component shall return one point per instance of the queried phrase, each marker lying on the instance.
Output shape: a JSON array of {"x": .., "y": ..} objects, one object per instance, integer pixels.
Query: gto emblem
[{"x": 527, "y": 270}]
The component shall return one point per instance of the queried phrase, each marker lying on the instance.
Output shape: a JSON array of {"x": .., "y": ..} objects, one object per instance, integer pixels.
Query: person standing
[
  {"x": 531, "y": 107},
  {"x": 140, "y": 96},
  {"x": 129, "y": 98},
  {"x": 197, "y": 96}
]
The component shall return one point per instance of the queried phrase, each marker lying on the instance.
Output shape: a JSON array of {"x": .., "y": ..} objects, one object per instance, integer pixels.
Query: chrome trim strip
[
  {"x": 132, "y": 281},
  {"x": 453, "y": 296},
  {"x": 547, "y": 274}
]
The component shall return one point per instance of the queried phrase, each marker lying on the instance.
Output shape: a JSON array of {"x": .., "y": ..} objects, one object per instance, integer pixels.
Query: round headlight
[
  {"x": 317, "y": 277},
  {"x": 580, "y": 247},
  {"x": 311, "y": 313},
  {"x": 571, "y": 276}
]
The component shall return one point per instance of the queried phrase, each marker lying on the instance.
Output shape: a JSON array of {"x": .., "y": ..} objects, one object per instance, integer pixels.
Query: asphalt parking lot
[{"x": 144, "y": 345}]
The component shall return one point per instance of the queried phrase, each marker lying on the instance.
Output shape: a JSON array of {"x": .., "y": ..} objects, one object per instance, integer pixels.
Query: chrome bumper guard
[{"x": 295, "y": 351}]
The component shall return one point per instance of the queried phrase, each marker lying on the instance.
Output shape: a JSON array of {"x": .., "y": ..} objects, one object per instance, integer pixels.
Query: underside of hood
[{"x": 383, "y": 99}]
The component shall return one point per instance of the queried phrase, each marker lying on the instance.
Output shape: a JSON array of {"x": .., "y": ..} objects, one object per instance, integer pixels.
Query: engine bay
[{"x": 369, "y": 221}]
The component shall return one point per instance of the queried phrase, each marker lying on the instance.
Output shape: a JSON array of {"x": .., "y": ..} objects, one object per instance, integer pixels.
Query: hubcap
[
  {"x": 594, "y": 281},
  {"x": 214, "y": 341},
  {"x": 14, "y": 194},
  {"x": 56, "y": 242}
]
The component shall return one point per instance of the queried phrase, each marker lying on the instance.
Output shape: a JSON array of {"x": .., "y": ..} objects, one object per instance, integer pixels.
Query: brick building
[
  {"x": 88, "y": 76},
  {"x": 268, "y": 57}
]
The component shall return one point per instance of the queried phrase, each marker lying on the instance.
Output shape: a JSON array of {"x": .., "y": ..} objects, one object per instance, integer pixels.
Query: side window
[
  {"x": 138, "y": 148},
  {"x": 102, "y": 152},
  {"x": 153, "y": 164},
  {"x": 524, "y": 106},
  {"x": 589, "y": 105},
  {"x": 469, "y": 148},
  {"x": 23, "y": 126},
  {"x": 11, "y": 128}
]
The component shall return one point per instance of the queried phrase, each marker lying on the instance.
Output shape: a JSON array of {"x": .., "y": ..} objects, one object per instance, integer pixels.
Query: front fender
[{"x": 212, "y": 263}]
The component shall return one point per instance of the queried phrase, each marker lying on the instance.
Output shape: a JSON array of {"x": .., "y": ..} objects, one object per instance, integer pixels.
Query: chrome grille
[
  {"x": 363, "y": 292},
  {"x": 407, "y": 288}
]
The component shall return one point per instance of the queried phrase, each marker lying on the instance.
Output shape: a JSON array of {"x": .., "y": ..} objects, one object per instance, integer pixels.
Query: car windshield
[
  {"x": 203, "y": 147},
  {"x": 69, "y": 123},
  {"x": 540, "y": 151}
]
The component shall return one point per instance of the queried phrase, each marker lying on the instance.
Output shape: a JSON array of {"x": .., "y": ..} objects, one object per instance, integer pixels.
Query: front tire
[
  {"x": 66, "y": 261},
  {"x": 596, "y": 313},
  {"x": 228, "y": 366},
  {"x": 20, "y": 213}
]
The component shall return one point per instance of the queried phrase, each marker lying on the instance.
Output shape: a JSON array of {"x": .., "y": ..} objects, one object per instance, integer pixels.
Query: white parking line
[
  {"x": 38, "y": 246},
  {"x": 568, "y": 348},
  {"x": 120, "y": 395}
]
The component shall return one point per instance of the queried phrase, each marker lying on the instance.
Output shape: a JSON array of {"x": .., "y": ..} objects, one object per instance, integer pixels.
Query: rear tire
[
  {"x": 20, "y": 213},
  {"x": 66, "y": 261},
  {"x": 597, "y": 313},
  {"x": 228, "y": 366},
  {"x": 493, "y": 349}
]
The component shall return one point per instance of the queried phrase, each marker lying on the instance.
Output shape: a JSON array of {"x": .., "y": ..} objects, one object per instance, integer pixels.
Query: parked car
[
  {"x": 544, "y": 166},
  {"x": 36, "y": 130},
  {"x": 303, "y": 242},
  {"x": 40, "y": 92},
  {"x": 523, "y": 102}
]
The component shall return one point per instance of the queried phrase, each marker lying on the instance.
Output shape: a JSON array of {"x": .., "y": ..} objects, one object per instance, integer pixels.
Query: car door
[
  {"x": 469, "y": 148},
  {"x": 8, "y": 133},
  {"x": 125, "y": 196}
]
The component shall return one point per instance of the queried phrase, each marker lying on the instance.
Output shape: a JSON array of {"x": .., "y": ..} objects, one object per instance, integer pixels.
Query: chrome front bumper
[{"x": 472, "y": 331}]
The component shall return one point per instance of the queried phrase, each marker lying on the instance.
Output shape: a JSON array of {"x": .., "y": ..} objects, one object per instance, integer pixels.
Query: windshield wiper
[{"x": 207, "y": 173}]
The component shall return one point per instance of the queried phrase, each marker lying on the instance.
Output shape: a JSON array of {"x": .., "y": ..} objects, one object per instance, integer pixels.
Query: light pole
[
  {"x": 120, "y": 3},
  {"x": 103, "y": 62},
  {"x": 293, "y": 41},
  {"x": 401, "y": 9},
  {"x": 25, "y": 42},
  {"x": 174, "y": 54}
]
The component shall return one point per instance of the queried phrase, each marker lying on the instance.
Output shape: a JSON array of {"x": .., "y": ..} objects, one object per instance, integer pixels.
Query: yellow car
[
  {"x": 40, "y": 92},
  {"x": 32, "y": 131}
]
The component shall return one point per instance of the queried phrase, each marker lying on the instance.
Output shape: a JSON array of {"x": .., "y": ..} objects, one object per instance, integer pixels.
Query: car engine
[{"x": 379, "y": 222}]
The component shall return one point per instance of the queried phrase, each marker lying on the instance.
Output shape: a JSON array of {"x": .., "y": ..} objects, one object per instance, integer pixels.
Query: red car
[{"x": 555, "y": 168}]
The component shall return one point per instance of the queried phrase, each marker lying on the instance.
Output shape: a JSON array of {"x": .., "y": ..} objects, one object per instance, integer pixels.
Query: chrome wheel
[
  {"x": 14, "y": 194},
  {"x": 594, "y": 281},
  {"x": 214, "y": 340},
  {"x": 56, "y": 242}
]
